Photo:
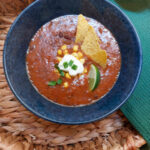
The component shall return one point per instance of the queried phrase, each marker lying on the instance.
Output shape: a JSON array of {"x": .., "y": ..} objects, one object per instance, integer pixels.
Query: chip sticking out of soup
[
  {"x": 73, "y": 60},
  {"x": 82, "y": 29},
  {"x": 91, "y": 42},
  {"x": 91, "y": 48}
]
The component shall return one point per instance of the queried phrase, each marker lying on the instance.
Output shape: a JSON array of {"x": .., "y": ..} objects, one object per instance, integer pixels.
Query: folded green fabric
[{"x": 137, "y": 108}]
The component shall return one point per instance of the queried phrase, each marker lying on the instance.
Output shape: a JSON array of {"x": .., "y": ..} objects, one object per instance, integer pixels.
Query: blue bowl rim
[{"x": 76, "y": 123}]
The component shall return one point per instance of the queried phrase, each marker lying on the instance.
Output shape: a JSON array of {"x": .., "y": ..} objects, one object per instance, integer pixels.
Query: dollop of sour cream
[{"x": 74, "y": 66}]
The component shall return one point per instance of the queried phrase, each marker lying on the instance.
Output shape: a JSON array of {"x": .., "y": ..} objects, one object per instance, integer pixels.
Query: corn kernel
[
  {"x": 82, "y": 61},
  {"x": 85, "y": 70},
  {"x": 66, "y": 84},
  {"x": 59, "y": 52},
  {"x": 67, "y": 76},
  {"x": 75, "y": 55},
  {"x": 80, "y": 54},
  {"x": 65, "y": 52},
  {"x": 64, "y": 47},
  {"x": 59, "y": 59},
  {"x": 75, "y": 48}
]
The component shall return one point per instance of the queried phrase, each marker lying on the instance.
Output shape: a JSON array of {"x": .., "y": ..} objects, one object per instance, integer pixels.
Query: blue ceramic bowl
[{"x": 42, "y": 11}]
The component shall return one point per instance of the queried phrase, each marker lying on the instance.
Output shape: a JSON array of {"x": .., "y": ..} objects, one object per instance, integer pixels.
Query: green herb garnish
[
  {"x": 62, "y": 73},
  {"x": 74, "y": 67},
  {"x": 56, "y": 66},
  {"x": 65, "y": 64},
  {"x": 59, "y": 81},
  {"x": 52, "y": 83},
  {"x": 70, "y": 63}
]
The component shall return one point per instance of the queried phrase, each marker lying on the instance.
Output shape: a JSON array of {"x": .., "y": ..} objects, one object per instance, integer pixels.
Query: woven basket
[{"x": 21, "y": 130}]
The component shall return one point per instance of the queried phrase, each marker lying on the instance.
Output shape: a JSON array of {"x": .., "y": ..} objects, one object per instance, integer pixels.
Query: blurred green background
[{"x": 138, "y": 12}]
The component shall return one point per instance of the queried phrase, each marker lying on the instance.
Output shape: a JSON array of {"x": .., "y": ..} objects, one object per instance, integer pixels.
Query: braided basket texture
[{"x": 21, "y": 130}]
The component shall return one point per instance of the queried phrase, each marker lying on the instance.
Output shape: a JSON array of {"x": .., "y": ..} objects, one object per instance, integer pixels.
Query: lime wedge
[{"x": 94, "y": 77}]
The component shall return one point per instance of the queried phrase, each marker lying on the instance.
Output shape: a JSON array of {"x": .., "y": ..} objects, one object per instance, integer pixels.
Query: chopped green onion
[
  {"x": 65, "y": 64},
  {"x": 52, "y": 83},
  {"x": 59, "y": 81},
  {"x": 62, "y": 73},
  {"x": 70, "y": 63},
  {"x": 56, "y": 66},
  {"x": 74, "y": 67}
]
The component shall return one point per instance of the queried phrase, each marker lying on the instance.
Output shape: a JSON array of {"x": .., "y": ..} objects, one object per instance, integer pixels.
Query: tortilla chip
[
  {"x": 82, "y": 29},
  {"x": 91, "y": 48}
]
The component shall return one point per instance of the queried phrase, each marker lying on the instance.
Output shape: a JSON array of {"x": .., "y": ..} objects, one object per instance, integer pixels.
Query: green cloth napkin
[{"x": 137, "y": 108}]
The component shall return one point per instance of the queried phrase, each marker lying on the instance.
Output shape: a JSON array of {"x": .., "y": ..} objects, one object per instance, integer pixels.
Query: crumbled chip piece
[
  {"x": 91, "y": 47},
  {"x": 82, "y": 28}
]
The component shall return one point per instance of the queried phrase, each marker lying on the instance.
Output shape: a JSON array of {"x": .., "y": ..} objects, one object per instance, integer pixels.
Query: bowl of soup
[{"x": 72, "y": 62}]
